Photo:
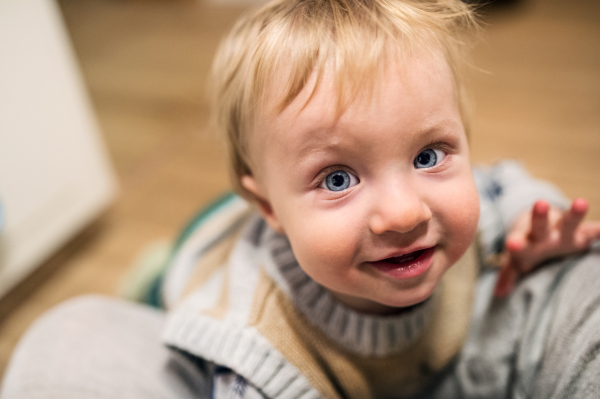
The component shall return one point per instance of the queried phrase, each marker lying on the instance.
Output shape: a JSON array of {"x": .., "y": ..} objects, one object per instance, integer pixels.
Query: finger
[
  {"x": 539, "y": 221},
  {"x": 515, "y": 242},
  {"x": 518, "y": 251},
  {"x": 580, "y": 205},
  {"x": 590, "y": 231},
  {"x": 506, "y": 281},
  {"x": 572, "y": 219}
]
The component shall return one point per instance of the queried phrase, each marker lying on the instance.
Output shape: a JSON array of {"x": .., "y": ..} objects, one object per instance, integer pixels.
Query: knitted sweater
[
  {"x": 276, "y": 327},
  {"x": 245, "y": 309}
]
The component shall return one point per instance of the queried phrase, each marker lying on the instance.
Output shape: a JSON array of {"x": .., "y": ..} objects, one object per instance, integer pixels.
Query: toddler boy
[
  {"x": 346, "y": 123},
  {"x": 346, "y": 128}
]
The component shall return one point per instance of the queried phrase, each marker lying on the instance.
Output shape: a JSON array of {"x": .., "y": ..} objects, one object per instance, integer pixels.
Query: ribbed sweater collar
[{"x": 362, "y": 334}]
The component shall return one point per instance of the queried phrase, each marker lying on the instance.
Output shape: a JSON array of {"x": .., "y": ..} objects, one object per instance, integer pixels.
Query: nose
[{"x": 398, "y": 210}]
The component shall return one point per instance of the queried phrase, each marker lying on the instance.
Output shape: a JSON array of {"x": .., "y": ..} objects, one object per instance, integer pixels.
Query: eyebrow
[
  {"x": 445, "y": 128},
  {"x": 322, "y": 140}
]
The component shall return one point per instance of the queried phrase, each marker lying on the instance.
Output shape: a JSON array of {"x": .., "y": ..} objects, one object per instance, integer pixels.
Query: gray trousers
[{"x": 99, "y": 348}]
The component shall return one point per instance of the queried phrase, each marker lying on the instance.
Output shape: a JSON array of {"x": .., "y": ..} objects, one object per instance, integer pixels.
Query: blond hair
[{"x": 300, "y": 36}]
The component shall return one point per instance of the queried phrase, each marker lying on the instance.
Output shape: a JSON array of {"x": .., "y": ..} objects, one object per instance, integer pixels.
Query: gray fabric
[
  {"x": 570, "y": 364},
  {"x": 100, "y": 348},
  {"x": 543, "y": 341}
]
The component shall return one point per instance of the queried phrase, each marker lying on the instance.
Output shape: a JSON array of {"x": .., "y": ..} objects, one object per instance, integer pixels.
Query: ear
[{"x": 264, "y": 206}]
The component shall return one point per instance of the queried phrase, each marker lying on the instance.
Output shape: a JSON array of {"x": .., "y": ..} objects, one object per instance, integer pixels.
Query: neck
[{"x": 368, "y": 307}]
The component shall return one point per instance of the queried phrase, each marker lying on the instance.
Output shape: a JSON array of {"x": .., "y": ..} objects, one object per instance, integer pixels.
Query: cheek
[
  {"x": 324, "y": 243},
  {"x": 459, "y": 214}
]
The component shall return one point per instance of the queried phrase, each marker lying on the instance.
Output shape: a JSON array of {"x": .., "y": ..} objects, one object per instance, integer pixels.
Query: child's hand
[{"x": 543, "y": 234}]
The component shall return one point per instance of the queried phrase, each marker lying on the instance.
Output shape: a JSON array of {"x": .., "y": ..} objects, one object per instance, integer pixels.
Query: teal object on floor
[{"x": 152, "y": 294}]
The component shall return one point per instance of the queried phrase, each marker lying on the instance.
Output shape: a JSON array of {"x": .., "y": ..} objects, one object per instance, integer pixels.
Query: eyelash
[
  {"x": 437, "y": 145},
  {"x": 434, "y": 145}
]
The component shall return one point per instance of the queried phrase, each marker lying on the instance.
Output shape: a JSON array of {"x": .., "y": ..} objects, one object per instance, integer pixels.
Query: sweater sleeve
[{"x": 506, "y": 191}]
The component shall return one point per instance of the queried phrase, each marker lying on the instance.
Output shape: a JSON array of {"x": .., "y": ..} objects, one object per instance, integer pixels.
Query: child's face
[{"x": 379, "y": 202}]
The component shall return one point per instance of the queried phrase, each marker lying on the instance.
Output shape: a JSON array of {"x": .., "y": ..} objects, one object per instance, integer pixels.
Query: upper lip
[{"x": 405, "y": 251}]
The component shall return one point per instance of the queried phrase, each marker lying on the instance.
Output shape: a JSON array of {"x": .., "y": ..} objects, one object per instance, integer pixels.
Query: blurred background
[{"x": 143, "y": 67}]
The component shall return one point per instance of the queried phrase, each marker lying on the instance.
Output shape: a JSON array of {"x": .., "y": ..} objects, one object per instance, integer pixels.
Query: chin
[
  {"x": 408, "y": 302},
  {"x": 421, "y": 294}
]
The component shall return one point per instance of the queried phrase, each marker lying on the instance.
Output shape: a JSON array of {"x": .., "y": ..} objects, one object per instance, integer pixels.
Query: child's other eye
[
  {"x": 428, "y": 158},
  {"x": 339, "y": 180}
]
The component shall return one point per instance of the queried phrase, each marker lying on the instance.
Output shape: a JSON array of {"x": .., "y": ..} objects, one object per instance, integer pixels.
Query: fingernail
[
  {"x": 580, "y": 205},
  {"x": 514, "y": 245},
  {"x": 541, "y": 207}
]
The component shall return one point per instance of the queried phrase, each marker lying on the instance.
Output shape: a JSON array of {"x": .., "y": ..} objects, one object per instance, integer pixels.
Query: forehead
[{"x": 407, "y": 95}]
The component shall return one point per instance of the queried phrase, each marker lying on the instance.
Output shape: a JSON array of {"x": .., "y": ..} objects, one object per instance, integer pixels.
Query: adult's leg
[{"x": 99, "y": 348}]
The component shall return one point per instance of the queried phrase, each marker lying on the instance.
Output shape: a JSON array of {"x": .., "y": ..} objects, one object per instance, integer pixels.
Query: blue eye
[
  {"x": 339, "y": 180},
  {"x": 428, "y": 158}
]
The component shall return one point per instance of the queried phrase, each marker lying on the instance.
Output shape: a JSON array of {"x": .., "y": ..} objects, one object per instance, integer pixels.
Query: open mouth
[
  {"x": 408, "y": 265},
  {"x": 397, "y": 260}
]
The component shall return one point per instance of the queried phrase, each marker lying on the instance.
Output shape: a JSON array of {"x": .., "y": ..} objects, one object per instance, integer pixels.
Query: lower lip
[{"x": 407, "y": 270}]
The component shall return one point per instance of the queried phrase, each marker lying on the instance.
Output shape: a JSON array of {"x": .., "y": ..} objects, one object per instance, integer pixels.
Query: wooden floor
[{"x": 145, "y": 63}]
